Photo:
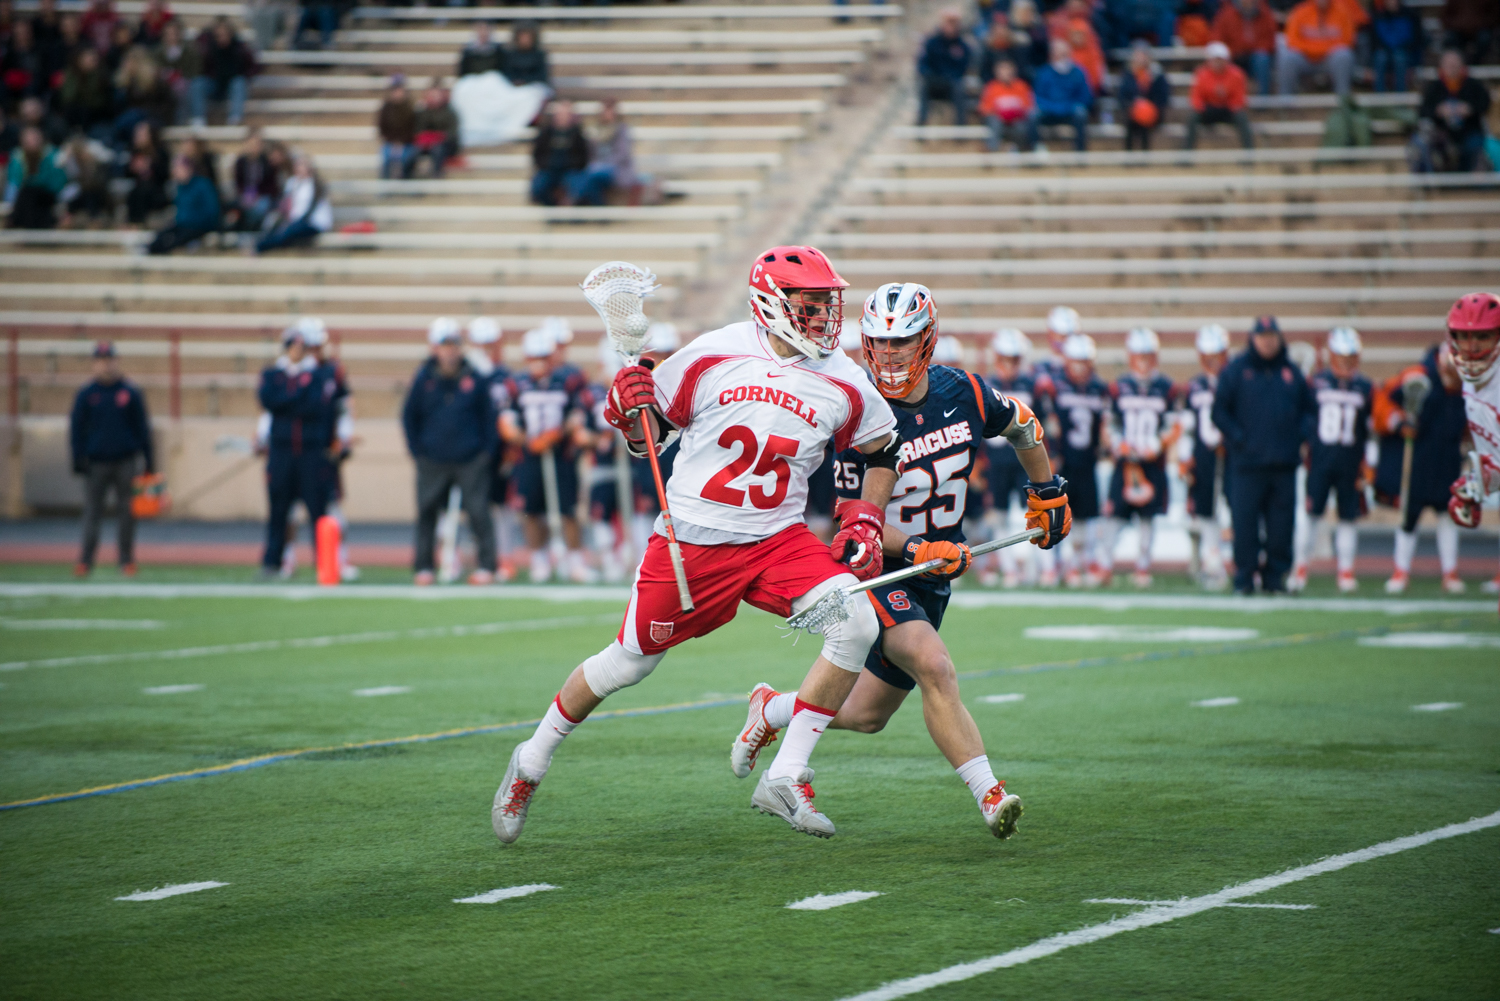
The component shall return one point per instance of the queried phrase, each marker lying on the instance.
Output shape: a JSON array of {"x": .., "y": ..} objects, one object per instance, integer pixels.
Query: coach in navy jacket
[
  {"x": 1265, "y": 410},
  {"x": 109, "y": 433}
]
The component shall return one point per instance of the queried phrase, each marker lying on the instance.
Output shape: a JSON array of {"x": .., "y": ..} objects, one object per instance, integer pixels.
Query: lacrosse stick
[
  {"x": 1413, "y": 395},
  {"x": 551, "y": 500},
  {"x": 448, "y": 565},
  {"x": 615, "y": 290},
  {"x": 834, "y": 606},
  {"x": 624, "y": 498}
]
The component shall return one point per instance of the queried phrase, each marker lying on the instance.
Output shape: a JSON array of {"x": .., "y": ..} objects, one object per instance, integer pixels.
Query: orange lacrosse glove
[
  {"x": 919, "y": 550},
  {"x": 1047, "y": 508}
]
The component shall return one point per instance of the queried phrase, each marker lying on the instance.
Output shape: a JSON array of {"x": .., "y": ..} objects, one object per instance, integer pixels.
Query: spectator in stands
[
  {"x": 437, "y": 129},
  {"x": 147, "y": 166},
  {"x": 305, "y": 211},
  {"x": 7, "y": 20},
  {"x": 1470, "y": 26},
  {"x": 257, "y": 183},
  {"x": 1194, "y": 18},
  {"x": 142, "y": 93},
  {"x": 109, "y": 436},
  {"x": 396, "y": 121},
  {"x": 33, "y": 180},
  {"x": 320, "y": 16},
  {"x": 450, "y": 424},
  {"x": 155, "y": 16},
  {"x": 1319, "y": 37},
  {"x": 941, "y": 68},
  {"x": 1028, "y": 29},
  {"x": 86, "y": 197},
  {"x": 10, "y": 135},
  {"x": 1398, "y": 43},
  {"x": 1248, "y": 28},
  {"x": 481, "y": 55},
  {"x": 1088, "y": 55},
  {"x": 98, "y": 24},
  {"x": 560, "y": 154},
  {"x": 33, "y": 112},
  {"x": 1002, "y": 45},
  {"x": 200, "y": 157},
  {"x": 266, "y": 18},
  {"x": 1452, "y": 116},
  {"x": 121, "y": 41},
  {"x": 1063, "y": 96},
  {"x": 86, "y": 99},
  {"x": 525, "y": 61},
  {"x": 198, "y": 212},
  {"x": 25, "y": 70},
  {"x": 1144, "y": 95},
  {"x": 227, "y": 66},
  {"x": 612, "y": 163},
  {"x": 1154, "y": 20},
  {"x": 1218, "y": 97},
  {"x": 1007, "y": 105},
  {"x": 64, "y": 45},
  {"x": 182, "y": 64}
]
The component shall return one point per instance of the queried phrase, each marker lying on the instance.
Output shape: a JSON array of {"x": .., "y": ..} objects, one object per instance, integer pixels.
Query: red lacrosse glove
[
  {"x": 1047, "y": 508},
  {"x": 1462, "y": 508},
  {"x": 858, "y": 542},
  {"x": 919, "y": 550},
  {"x": 632, "y": 390}
]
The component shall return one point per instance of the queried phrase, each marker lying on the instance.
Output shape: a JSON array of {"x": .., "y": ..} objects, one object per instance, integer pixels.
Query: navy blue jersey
[
  {"x": 940, "y": 438},
  {"x": 1198, "y": 400},
  {"x": 542, "y": 405},
  {"x": 1079, "y": 410},
  {"x": 109, "y": 423},
  {"x": 1140, "y": 410},
  {"x": 1342, "y": 425}
]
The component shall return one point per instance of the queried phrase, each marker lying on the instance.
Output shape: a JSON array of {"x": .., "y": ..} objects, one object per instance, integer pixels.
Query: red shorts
[{"x": 768, "y": 574}]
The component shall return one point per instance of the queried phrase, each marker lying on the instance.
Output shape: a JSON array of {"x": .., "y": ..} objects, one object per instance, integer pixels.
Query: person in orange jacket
[
  {"x": 1248, "y": 28},
  {"x": 1006, "y": 106},
  {"x": 1319, "y": 36},
  {"x": 1218, "y": 97}
]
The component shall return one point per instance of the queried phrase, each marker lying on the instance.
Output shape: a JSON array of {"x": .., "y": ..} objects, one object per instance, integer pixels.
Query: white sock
[
  {"x": 779, "y": 709},
  {"x": 1302, "y": 542},
  {"x": 1345, "y": 542},
  {"x": 977, "y": 775},
  {"x": 536, "y": 753},
  {"x": 1143, "y": 556},
  {"x": 799, "y": 739},
  {"x": 541, "y": 566},
  {"x": 1406, "y": 546},
  {"x": 1210, "y": 546},
  {"x": 1447, "y": 542}
]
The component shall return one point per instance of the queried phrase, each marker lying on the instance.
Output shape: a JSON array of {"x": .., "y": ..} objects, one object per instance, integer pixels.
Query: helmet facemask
[
  {"x": 899, "y": 364},
  {"x": 1474, "y": 352}
]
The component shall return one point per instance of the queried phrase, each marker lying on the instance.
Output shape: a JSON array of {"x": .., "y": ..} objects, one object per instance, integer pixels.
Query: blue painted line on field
[{"x": 261, "y": 761}]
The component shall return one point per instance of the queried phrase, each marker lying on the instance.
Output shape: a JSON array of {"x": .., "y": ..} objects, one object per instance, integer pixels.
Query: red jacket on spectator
[
  {"x": 1218, "y": 90},
  {"x": 1009, "y": 102},
  {"x": 1315, "y": 33},
  {"x": 1244, "y": 37}
]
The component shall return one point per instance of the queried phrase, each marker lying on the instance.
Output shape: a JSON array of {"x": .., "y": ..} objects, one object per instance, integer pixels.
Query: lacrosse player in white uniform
[
  {"x": 1474, "y": 336},
  {"x": 753, "y": 406}
]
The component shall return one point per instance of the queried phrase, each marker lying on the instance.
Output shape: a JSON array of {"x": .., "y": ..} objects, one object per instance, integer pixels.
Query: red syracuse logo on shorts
[
  {"x": 122, "y": 397},
  {"x": 661, "y": 631}
]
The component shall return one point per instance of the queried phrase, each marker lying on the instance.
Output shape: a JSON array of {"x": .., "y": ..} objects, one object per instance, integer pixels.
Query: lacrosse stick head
[
  {"x": 1414, "y": 391},
  {"x": 616, "y": 290},
  {"x": 828, "y": 610}
]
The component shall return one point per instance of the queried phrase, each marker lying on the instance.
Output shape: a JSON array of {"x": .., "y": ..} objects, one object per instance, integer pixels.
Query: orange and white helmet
[
  {"x": 898, "y": 312},
  {"x": 796, "y": 295}
]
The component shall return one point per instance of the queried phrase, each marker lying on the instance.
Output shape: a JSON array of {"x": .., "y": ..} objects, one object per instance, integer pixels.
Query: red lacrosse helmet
[
  {"x": 1477, "y": 313},
  {"x": 796, "y": 295}
]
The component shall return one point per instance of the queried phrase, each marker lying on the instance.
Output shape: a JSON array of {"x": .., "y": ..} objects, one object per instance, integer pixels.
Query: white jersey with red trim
[
  {"x": 755, "y": 426},
  {"x": 1482, "y": 407}
]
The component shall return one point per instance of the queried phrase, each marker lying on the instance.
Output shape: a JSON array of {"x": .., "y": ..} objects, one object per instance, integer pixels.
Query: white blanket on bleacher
[{"x": 491, "y": 110}]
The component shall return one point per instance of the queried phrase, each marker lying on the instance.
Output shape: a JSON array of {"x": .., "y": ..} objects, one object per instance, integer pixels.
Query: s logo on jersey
[
  {"x": 765, "y": 394},
  {"x": 935, "y": 441}
]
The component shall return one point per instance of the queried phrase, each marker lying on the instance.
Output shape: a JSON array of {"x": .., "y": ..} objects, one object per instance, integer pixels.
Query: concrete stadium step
[
  {"x": 686, "y": 12},
  {"x": 630, "y": 109},
  {"x": 937, "y": 243},
  {"x": 1185, "y": 159},
  {"x": 565, "y": 38},
  {"x": 1270, "y": 297},
  {"x": 1306, "y": 129},
  {"x": 669, "y": 58},
  {"x": 522, "y": 161},
  {"x": 295, "y": 296},
  {"x": 313, "y": 266},
  {"x": 1177, "y": 269},
  {"x": 538, "y": 214},
  {"x": 894, "y": 215},
  {"x": 1176, "y": 185},
  {"x": 658, "y": 243},
  {"x": 503, "y": 186},
  {"x": 367, "y": 133},
  {"x": 271, "y": 323}
]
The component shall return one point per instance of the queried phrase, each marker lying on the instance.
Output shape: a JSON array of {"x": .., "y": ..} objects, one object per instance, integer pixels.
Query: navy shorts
[
  {"x": 1083, "y": 485},
  {"x": 1201, "y": 499},
  {"x": 1342, "y": 481},
  {"x": 1006, "y": 478},
  {"x": 894, "y": 604},
  {"x": 1156, "y": 474},
  {"x": 820, "y": 488},
  {"x": 604, "y": 501},
  {"x": 528, "y": 479}
]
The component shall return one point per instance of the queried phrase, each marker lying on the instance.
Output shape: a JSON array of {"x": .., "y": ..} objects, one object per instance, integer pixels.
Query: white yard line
[
  {"x": 508, "y": 893},
  {"x": 824, "y": 902},
  {"x": 171, "y": 689},
  {"x": 1434, "y": 641},
  {"x": 313, "y": 642},
  {"x": 1437, "y": 707},
  {"x": 1228, "y": 700},
  {"x": 1169, "y": 903},
  {"x": 383, "y": 690},
  {"x": 1141, "y": 634},
  {"x": 1169, "y": 912},
  {"x": 68, "y": 625},
  {"x": 175, "y": 890},
  {"x": 1010, "y": 697},
  {"x": 1205, "y": 603}
]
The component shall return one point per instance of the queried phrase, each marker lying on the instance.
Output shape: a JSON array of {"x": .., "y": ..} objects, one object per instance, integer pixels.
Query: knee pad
[
  {"x": 846, "y": 644},
  {"x": 614, "y": 668}
]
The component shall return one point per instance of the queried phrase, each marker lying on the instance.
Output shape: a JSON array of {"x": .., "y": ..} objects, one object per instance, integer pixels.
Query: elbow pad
[
  {"x": 886, "y": 457},
  {"x": 1025, "y": 430}
]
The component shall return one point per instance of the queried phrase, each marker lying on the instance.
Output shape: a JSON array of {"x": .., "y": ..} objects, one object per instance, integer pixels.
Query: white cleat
[
  {"x": 791, "y": 800},
  {"x": 1001, "y": 810},
  {"x": 1296, "y": 581},
  {"x": 1491, "y": 586},
  {"x": 1452, "y": 584},
  {"x": 512, "y": 799},
  {"x": 1397, "y": 583},
  {"x": 1348, "y": 583},
  {"x": 756, "y": 734}
]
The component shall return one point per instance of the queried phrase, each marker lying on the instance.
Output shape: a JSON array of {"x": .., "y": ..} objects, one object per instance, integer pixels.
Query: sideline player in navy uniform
[
  {"x": 1203, "y": 466},
  {"x": 1336, "y": 455},
  {"x": 109, "y": 433},
  {"x": 1005, "y": 477},
  {"x": 1138, "y": 487},
  {"x": 1078, "y": 404},
  {"x": 943, "y": 414},
  {"x": 486, "y": 359}
]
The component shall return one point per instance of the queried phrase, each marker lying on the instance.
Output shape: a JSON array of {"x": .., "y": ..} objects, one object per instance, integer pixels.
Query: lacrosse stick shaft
[
  {"x": 550, "y": 497},
  {"x": 918, "y": 569},
  {"x": 624, "y": 500},
  {"x": 1406, "y": 455},
  {"x": 674, "y": 551}
]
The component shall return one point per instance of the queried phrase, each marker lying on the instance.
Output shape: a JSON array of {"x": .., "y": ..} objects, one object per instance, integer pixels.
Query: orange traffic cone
[{"x": 327, "y": 542}]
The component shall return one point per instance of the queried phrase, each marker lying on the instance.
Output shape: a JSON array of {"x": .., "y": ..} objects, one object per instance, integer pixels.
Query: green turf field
[{"x": 342, "y": 866}]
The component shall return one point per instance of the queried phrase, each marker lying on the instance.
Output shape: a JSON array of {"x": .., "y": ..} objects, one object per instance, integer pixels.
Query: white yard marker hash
[
  {"x": 1165, "y": 913},
  {"x": 175, "y": 890},
  {"x": 822, "y": 902},
  {"x": 1227, "y": 700},
  {"x": 1437, "y": 707},
  {"x": 171, "y": 689},
  {"x": 1012, "y": 697},
  {"x": 1169, "y": 903},
  {"x": 383, "y": 690},
  {"x": 507, "y": 893}
]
